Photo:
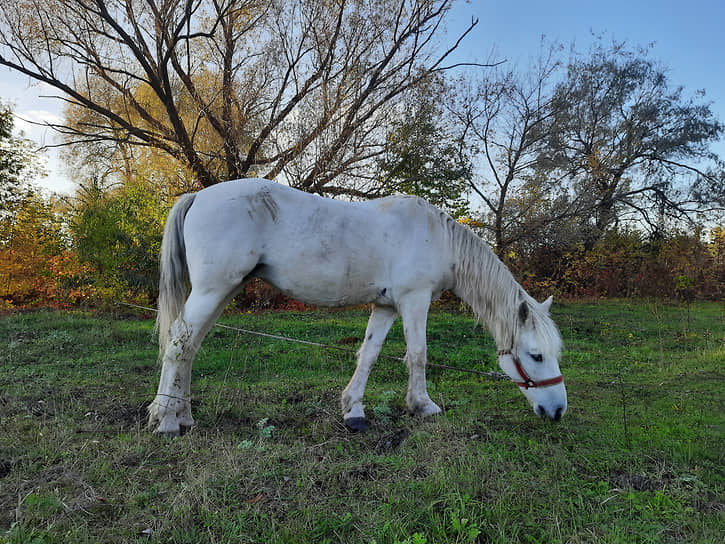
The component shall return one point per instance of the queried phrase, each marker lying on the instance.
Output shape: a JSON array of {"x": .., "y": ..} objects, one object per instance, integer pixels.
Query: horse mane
[{"x": 485, "y": 283}]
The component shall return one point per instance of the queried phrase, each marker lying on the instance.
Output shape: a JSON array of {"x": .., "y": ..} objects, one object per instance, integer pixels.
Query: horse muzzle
[{"x": 553, "y": 413}]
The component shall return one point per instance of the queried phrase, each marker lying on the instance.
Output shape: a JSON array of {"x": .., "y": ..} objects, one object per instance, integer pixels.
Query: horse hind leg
[
  {"x": 170, "y": 411},
  {"x": 381, "y": 319}
]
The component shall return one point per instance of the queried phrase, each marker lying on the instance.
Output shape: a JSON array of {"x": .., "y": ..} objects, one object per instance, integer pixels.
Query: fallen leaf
[{"x": 256, "y": 498}]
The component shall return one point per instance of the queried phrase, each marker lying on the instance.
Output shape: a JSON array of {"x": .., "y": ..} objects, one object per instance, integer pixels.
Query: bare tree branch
[{"x": 231, "y": 87}]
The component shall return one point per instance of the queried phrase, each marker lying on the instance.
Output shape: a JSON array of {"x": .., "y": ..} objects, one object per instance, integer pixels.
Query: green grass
[{"x": 638, "y": 457}]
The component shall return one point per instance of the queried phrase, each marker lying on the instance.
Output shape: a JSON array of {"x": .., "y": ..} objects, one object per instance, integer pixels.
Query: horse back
[{"x": 319, "y": 250}]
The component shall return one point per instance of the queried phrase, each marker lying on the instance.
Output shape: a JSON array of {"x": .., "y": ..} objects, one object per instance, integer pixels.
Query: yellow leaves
[
  {"x": 717, "y": 236},
  {"x": 148, "y": 99},
  {"x": 716, "y": 245},
  {"x": 593, "y": 161},
  {"x": 469, "y": 222}
]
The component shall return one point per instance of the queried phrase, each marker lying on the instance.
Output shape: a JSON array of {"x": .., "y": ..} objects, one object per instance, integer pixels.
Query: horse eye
[{"x": 537, "y": 357}]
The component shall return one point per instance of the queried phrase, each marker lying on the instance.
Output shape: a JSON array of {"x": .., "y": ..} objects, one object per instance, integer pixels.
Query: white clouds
[
  {"x": 33, "y": 107},
  {"x": 32, "y": 123},
  {"x": 41, "y": 116}
]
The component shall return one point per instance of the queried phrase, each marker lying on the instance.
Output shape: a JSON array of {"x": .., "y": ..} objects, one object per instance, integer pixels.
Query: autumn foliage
[
  {"x": 102, "y": 249},
  {"x": 626, "y": 264}
]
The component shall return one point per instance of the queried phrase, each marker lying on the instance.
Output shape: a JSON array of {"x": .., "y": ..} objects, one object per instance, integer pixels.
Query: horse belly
[{"x": 317, "y": 276}]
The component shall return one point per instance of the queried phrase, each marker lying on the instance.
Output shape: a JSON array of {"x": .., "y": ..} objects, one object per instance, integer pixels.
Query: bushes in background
[
  {"x": 625, "y": 264},
  {"x": 103, "y": 248}
]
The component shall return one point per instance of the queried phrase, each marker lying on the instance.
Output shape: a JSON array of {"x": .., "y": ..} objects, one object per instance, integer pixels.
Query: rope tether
[{"x": 488, "y": 374}]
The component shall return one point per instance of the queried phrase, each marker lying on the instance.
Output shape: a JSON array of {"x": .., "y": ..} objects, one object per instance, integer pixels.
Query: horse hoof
[
  {"x": 431, "y": 411},
  {"x": 167, "y": 430},
  {"x": 356, "y": 424}
]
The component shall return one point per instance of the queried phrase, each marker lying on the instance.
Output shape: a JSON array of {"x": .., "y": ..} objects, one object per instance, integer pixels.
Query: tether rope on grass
[{"x": 489, "y": 374}]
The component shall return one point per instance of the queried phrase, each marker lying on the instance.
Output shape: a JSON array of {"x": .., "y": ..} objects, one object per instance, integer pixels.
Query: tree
[
  {"x": 115, "y": 163},
  {"x": 230, "y": 88},
  {"x": 504, "y": 119},
  {"x": 117, "y": 231},
  {"x": 29, "y": 241},
  {"x": 31, "y": 228},
  {"x": 422, "y": 158},
  {"x": 19, "y": 165},
  {"x": 629, "y": 145}
]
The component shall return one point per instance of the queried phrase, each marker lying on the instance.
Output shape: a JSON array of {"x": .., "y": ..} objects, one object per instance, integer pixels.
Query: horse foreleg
[
  {"x": 415, "y": 313},
  {"x": 381, "y": 319}
]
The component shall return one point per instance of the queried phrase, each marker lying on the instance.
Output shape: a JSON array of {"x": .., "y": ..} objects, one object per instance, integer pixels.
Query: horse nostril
[{"x": 555, "y": 416}]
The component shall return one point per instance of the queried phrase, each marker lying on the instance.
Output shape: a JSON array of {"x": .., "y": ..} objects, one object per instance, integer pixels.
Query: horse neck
[{"x": 486, "y": 285}]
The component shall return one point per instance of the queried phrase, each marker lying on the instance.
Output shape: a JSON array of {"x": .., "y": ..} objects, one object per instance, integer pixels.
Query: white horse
[{"x": 397, "y": 253}]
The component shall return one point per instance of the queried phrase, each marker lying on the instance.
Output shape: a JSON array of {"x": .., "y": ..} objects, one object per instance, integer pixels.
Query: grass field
[{"x": 639, "y": 457}]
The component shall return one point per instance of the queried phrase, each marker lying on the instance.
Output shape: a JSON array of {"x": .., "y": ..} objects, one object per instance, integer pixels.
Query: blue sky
[{"x": 688, "y": 37}]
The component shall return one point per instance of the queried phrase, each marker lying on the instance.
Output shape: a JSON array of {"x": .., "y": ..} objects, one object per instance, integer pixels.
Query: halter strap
[{"x": 527, "y": 382}]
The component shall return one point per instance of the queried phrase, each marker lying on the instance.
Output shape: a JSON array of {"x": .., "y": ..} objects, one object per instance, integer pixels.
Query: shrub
[{"x": 625, "y": 264}]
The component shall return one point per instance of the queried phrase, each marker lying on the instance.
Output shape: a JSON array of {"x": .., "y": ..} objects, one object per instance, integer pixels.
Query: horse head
[{"x": 532, "y": 361}]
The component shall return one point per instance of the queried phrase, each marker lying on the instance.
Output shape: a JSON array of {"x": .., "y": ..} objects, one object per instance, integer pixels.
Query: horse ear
[
  {"x": 523, "y": 312},
  {"x": 546, "y": 305}
]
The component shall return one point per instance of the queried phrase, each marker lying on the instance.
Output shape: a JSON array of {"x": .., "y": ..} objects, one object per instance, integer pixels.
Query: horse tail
[{"x": 173, "y": 271}]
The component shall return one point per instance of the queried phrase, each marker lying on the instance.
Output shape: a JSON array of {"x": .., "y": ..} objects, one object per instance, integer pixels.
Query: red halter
[{"x": 527, "y": 382}]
